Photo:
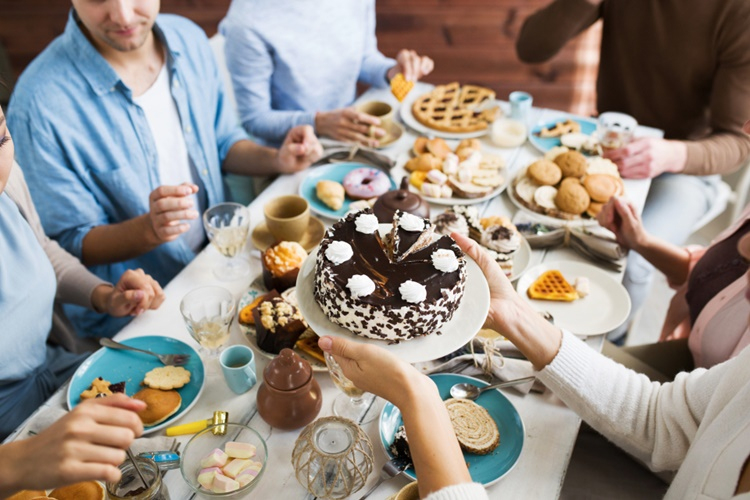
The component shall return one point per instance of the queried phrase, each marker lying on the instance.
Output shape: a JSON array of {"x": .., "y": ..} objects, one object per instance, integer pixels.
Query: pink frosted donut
[{"x": 366, "y": 183}]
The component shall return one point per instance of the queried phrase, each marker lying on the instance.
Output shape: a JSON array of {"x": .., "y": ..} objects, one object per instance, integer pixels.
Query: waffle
[
  {"x": 453, "y": 108},
  {"x": 400, "y": 86},
  {"x": 551, "y": 285}
]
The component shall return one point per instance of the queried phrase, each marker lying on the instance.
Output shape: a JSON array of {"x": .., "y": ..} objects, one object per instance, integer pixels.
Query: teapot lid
[
  {"x": 287, "y": 371},
  {"x": 400, "y": 199}
]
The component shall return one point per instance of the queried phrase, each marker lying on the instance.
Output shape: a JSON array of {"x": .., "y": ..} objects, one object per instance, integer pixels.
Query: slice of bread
[
  {"x": 474, "y": 427},
  {"x": 88, "y": 490}
]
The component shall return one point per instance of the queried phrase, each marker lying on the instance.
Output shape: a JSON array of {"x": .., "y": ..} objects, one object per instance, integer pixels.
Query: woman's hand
[
  {"x": 621, "y": 217},
  {"x": 349, "y": 125},
  {"x": 511, "y": 316},
  {"x": 134, "y": 293},
  {"x": 86, "y": 444},
  {"x": 375, "y": 370},
  {"x": 411, "y": 65}
]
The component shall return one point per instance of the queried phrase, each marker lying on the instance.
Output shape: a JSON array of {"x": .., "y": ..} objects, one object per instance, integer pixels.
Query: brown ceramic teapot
[
  {"x": 289, "y": 396},
  {"x": 400, "y": 199}
]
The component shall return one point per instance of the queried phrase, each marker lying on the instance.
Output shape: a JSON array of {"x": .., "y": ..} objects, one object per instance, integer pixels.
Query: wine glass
[
  {"x": 227, "y": 226},
  {"x": 354, "y": 403},
  {"x": 208, "y": 312}
]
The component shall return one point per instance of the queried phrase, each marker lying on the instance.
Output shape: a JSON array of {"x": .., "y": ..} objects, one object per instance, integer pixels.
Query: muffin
[
  {"x": 281, "y": 264},
  {"x": 278, "y": 324}
]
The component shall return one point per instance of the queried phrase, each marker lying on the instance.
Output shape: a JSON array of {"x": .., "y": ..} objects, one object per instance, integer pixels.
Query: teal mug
[{"x": 238, "y": 365}]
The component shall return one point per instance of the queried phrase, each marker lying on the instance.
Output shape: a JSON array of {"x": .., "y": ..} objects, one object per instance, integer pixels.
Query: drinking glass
[
  {"x": 227, "y": 226},
  {"x": 354, "y": 403},
  {"x": 208, "y": 312}
]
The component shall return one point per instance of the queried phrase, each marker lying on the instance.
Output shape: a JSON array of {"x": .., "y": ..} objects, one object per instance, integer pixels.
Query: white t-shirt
[{"x": 173, "y": 160}]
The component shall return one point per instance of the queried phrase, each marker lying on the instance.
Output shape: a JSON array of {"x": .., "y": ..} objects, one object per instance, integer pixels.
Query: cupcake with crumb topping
[{"x": 281, "y": 264}]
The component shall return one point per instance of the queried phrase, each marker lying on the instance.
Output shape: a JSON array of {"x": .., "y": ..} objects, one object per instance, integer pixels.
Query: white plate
[
  {"x": 466, "y": 321},
  {"x": 398, "y": 172},
  {"x": 408, "y": 118},
  {"x": 543, "y": 218},
  {"x": 605, "y": 308},
  {"x": 521, "y": 260}
]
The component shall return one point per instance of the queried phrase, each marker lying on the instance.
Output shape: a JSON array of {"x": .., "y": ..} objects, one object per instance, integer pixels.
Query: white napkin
[{"x": 497, "y": 363}]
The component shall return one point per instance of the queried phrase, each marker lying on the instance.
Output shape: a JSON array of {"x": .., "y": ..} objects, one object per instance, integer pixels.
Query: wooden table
[{"x": 551, "y": 428}]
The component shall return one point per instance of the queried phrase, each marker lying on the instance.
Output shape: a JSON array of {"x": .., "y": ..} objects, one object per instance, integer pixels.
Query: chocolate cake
[{"x": 397, "y": 287}]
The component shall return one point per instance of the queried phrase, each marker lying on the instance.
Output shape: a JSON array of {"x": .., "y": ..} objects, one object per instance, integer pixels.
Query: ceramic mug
[
  {"x": 238, "y": 365},
  {"x": 520, "y": 105},
  {"x": 378, "y": 109},
  {"x": 408, "y": 492},
  {"x": 287, "y": 217}
]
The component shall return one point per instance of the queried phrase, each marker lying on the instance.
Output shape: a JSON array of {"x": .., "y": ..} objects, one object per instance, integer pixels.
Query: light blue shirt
[
  {"x": 291, "y": 58},
  {"x": 87, "y": 150},
  {"x": 27, "y": 293}
]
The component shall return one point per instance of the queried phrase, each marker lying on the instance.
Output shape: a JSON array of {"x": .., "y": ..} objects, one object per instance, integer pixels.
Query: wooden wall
[{"x": 471, "y": 41}]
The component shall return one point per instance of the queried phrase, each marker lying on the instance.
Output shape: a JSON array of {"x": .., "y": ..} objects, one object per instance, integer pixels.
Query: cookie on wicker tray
[
  {"x": 572, "y": 197},
  {"x": 475, "y": 429},
  {"x": 572, "y": 164},
  {"x": 544, "y": 173}
]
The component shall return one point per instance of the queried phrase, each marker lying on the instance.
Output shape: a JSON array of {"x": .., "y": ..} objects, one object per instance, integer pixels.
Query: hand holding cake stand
[{"x": 466, "y": 321}]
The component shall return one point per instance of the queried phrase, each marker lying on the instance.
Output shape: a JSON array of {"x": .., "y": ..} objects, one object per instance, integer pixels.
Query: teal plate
[
  {"x": 116, "y": 366},
  {"x": 544, "y": 144},
  {"x": 331, "y": 172},
  {"x": 485, "y": 469}
]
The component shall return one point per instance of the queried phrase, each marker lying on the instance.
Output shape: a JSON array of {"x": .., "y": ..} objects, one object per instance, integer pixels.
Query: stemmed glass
[
  {"x": 227, "y": 226},
  {"x": 352, "y": 404},
  {"x": 208, "y": 312}
]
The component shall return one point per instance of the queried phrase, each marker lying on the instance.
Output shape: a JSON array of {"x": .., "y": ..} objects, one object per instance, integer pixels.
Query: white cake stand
[{"x": 466, "y": 321}]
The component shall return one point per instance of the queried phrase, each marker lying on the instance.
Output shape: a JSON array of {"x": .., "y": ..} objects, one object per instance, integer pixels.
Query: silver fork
[
  {"x": 167, "y": 359},
  {"x": 392, "y": 468}
]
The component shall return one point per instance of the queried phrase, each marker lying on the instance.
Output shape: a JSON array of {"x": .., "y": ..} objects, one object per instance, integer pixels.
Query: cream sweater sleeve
[
  {"x": 655, "y": 422},
  {"x": 466, "y": 491},
  {"x": 75, "y": 283}
]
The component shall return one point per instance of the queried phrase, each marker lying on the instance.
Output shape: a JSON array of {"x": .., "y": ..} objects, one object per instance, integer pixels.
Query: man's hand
[
  {"x": 647, "y": 157},
  {"x": 412, "y": 65},
  {"x": 86, "y": 444},
  {"x": 169, "y": 208},
  {"x": 300, "y": 149},
  {"x": 621, "y": 217},
  {"x": 135, "y": 293},
  {"x": 349, "y": 125}
]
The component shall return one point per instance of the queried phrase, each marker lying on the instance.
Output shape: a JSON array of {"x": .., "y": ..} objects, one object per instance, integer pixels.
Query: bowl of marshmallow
[{"x": 224, "y": 461}]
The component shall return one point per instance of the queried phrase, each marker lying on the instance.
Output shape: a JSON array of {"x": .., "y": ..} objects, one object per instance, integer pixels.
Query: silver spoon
[
  {"x": 137, "y": 467},
  {"x": 472, "y": 392}
]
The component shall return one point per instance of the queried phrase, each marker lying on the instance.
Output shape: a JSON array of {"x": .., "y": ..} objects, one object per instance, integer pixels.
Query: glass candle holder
[{"x": 332, "y": 457}]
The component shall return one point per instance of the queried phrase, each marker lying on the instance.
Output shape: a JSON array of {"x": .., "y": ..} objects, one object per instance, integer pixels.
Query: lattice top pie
[{"x": 453, "y": 108}]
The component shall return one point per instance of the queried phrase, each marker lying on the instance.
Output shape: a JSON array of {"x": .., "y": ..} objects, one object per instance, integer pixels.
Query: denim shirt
[
  {"x": 289, "y": 59},
  {"x": 87, "y": 150}
]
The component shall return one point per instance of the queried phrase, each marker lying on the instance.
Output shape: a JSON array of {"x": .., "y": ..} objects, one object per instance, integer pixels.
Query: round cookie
[
  {"x": 572, "y": 164},
  {"x": 544, "y": 173},
  {"x": 570, "y": 180},
  {"x": 601, "y": 187},
  {"x": 572, "y": 198}
]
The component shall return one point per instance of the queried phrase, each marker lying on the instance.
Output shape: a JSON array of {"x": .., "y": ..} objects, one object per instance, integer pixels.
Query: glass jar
[
  {"x": 130, "y": 486},
  {"x": 332, "y": 458}
]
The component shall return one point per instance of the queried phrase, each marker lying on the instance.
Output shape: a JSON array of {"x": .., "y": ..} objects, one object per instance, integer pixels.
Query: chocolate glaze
[{"x": 371, "y": 259}]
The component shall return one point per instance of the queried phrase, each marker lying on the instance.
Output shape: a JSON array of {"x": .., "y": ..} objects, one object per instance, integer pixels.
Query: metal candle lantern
[{"x": 332, "y": 457}]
